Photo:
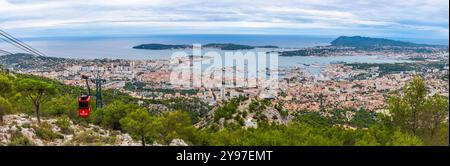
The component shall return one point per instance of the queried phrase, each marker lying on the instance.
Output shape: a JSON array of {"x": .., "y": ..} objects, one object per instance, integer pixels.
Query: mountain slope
[{"x": 359, "y": 41}]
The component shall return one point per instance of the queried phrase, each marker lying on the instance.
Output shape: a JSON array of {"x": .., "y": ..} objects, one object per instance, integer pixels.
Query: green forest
[{"x": 414, "y": 118}]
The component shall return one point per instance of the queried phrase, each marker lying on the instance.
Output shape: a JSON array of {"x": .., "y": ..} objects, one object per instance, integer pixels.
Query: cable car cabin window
[{"x": 83, "y": 105}]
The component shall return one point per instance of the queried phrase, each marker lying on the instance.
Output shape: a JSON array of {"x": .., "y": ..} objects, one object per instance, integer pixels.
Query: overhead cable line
[
  {"x": 4, "y": 52},
  {"x": 19, "y": 44},
  {"x": 14, "y": 44},
  {"x": 23, "y": 43}
]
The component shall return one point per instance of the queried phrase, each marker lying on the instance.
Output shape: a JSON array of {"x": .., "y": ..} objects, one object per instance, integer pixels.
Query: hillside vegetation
[
  {"x": 359, "y": 41},
  {"x": 413, "y": 118}
]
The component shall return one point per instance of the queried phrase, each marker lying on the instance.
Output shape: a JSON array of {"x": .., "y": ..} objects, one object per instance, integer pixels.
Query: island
[
  {"x": 155, "y": 46},
  {"x": 221, "y": 46},
  {"x": 228, "y": 46}
]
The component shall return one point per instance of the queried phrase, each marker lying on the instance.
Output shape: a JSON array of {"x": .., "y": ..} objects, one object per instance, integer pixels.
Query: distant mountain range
[
  {"x": 367, "y": 42},
  {"x": 222, "y": 46},
  {"x": 344, "y": 45}
]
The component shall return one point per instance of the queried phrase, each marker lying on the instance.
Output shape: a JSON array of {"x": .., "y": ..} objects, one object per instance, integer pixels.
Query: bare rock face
[
  {"x": 275, "y": 117},
  {"x": 29, "y": 133},
  {"x": 249, "y": 123},
  {"x": 126, "y": 140},
  {"x": 81, "y": 135},
  {"x": 4, "y": 135},
  {"x": 178, "y": 142}
]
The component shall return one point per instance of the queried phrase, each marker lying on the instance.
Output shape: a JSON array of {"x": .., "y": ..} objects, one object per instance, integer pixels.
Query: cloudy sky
[{"x": 382, "y": 18}]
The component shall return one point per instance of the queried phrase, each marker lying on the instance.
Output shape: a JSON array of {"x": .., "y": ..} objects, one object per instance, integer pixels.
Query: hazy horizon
[
  {"x": 432, "y": 41},
  {"x": 392, "y": 19}
]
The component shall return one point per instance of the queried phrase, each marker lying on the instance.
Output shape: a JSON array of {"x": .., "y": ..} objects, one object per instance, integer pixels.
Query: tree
[
  {"x": 363, "y": 118},
  {"x": 314, "y": 119},
  {"x": 139, "y": 124},
  {"x": 404, "y": 139},
  {"x": 5, "y": 107},
  {"x": 406, "y": 109},
  {"x": 419, "y": 114},
  {"x": 61, "y": 105},
  {"x": 37, "y": 92},
  {"x": 436, "y": 111},
  {"x": 110, "y": 115},
  {"x": 381, "y": 135},
  {"x": 321, "y": 102},
  {"x": 5, "y": 89},
  {"x": 5, "y": 86},
  {"x": 174, "y": 125},
  {"x": 415, "y": 95}
]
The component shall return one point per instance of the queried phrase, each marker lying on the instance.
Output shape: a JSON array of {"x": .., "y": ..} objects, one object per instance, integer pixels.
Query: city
[
  {"x": 341, "y": 85},
  {"x": 216, "y": 81}
]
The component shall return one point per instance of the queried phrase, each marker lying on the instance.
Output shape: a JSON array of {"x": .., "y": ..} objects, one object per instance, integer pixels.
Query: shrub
[
  {"x": 228, "y": 109},
  {"x": 244, "y": 114},
  {"x": 86, "y": 137},
  {"x": 89, "y": 137},
  {"x": 284, "y": 113},
  {"x": 26, "y": 125},
  {"x": 17, "y": 139},
  {"x": 241, "y": 121},
  {"x": 61, "y": 105},
  {"x": 64, "y": 124},
  {"x": 110, "y": 115},
  {"x": 44, "y": 131}
]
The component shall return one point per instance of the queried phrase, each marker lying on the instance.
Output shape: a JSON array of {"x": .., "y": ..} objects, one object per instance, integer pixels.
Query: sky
[{"x": 420, "y": 19}]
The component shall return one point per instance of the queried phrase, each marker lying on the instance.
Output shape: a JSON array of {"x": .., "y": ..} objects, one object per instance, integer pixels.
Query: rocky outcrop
[
  {"x": 27, "y": 127},
  {"x": 21, "y": 129},
  {"x": 178, "y": 142}
]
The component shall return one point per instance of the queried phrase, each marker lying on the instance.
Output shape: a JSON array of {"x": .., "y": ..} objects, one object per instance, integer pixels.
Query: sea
[{"x": 120, "y": 47}]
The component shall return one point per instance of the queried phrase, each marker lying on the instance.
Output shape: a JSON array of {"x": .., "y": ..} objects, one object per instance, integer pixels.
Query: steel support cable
[
  {"x": 14, "y": 44},
  {"x": 4, "y": 52},
  {"x": 18, "y": 46},
  {"x": 23, "y": 43}
]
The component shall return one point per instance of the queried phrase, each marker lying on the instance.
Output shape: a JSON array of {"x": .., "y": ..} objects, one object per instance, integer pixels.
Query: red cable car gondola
[{"x": 84, "y": 105}]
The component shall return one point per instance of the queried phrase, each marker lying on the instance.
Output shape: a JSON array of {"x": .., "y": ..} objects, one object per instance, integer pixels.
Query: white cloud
[{"x": 419, "y": 16}]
